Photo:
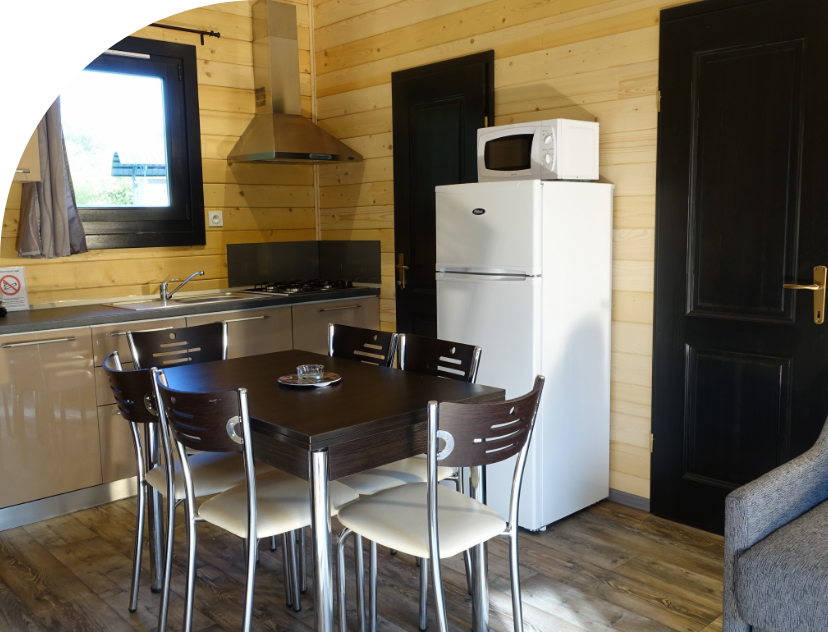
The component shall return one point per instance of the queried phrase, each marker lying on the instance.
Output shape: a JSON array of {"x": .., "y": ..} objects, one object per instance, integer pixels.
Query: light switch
[{"x": 215, "y": 218}]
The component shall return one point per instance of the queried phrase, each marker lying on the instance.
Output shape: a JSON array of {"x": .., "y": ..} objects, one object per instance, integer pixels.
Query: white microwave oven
[{"x": 556, "y": 149}]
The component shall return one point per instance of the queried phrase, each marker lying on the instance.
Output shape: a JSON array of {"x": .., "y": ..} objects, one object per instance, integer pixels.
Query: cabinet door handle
[
  {"x": 238, "y": 320},
  {"x": 139, "y": 331},
  {"x": 22, "y": 170},
  {"x": 37, "y": 342},
  {"x": 336, "y": 309}
]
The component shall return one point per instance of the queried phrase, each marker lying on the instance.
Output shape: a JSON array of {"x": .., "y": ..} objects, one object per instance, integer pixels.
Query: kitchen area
[
  {"x": 302, "y": 174},
  {"x": 60, "y": 411}
]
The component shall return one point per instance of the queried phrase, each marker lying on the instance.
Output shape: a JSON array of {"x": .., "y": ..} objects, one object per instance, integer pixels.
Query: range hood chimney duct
[{"x": 278, "y": 132}]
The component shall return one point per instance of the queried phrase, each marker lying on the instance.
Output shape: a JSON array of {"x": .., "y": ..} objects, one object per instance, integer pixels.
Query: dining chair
[
  {"x": 174, "y": 347},
  {"x": 211, "y": 473},
  {"x": 366, "y": 345},
  {"x": 429, "y": 356},
  {"x": 264, "y": 505},
  {"x": 431, "y": 521},
  {"x": 171, "y": 347}
]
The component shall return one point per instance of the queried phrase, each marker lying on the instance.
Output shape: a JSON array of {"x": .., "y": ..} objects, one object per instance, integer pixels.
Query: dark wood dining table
[{"x": 372, "y": 417}]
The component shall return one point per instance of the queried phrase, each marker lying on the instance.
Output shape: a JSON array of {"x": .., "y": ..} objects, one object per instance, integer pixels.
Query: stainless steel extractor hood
[{"x": 279, "y": 133}]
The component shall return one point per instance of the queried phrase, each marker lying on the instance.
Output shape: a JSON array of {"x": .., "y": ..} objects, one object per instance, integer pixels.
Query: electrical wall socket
[{"x": 215, "y": 218}]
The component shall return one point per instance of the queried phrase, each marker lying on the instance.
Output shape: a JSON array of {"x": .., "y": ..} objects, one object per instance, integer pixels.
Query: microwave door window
[{"x": 509, "y": 153}]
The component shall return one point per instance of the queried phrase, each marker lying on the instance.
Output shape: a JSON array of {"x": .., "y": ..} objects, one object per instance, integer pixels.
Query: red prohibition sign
[{"x": 9, "y": 285}]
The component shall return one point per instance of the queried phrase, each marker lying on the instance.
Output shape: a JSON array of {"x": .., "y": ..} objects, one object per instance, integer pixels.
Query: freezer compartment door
[
  {"x": 490, "y": 227},
  {"x": 503, "y": 317}
]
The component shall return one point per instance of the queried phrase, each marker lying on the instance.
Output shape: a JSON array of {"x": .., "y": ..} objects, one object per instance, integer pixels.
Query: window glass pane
[{"x": 114, "y": 127}]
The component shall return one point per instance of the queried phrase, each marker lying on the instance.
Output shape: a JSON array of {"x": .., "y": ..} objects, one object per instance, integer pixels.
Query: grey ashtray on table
[{"x": 310, "y": 375}]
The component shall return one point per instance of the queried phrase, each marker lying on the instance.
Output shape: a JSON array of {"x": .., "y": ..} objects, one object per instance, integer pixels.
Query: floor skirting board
[
  {"x": 630, "y": 500},
  {"x": 37, "y": 510}
]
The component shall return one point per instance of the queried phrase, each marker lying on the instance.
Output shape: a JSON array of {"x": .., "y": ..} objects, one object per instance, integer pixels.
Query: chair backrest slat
[
  {"x": 442, "y": 358},
  {"x": 184, "y": 345},
  {"x": 207, "y": 422},
  {"x": 488, "y": 433},
  {"x": 132, "y": 391},
  {"x": 365, "y": 345}
]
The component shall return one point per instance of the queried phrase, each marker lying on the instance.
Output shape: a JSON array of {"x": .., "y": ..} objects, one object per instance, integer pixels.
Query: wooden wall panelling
[
  {"x": 259, "y": 202},
  {"x": 582, "y": 59}
]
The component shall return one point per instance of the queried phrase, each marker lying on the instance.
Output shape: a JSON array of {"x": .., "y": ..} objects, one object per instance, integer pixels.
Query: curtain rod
[{"x": 181, "y": 28}]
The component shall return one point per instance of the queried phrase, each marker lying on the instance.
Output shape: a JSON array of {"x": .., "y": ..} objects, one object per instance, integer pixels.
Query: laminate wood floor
[{"x": 606, "y": 568}]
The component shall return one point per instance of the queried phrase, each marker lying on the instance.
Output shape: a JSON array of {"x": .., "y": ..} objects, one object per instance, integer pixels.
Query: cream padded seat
[
  {"x": 213, "y": 473},
  {"x": 398, "y": 518},
  {"x": 412, "y": 470},
  {"x": 282, "y": 504}
]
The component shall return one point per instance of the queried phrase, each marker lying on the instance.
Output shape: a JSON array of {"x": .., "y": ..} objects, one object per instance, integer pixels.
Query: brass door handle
[
  {"x": 794, "y": 286},
  {"x": 818, "y": 288},
  {"x": 402, "y": 268}
]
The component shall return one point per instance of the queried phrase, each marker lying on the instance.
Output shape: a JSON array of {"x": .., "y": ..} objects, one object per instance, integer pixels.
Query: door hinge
[
  {"x": 652, "y": 441},
  {"x": 180, "y": 77},
  {"x": 659, "y": 101},
  {"x": 485, "y": 121}
]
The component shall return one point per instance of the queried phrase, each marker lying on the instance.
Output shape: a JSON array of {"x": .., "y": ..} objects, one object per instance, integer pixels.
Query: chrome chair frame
[
  {"x": 172, "y": 504},
  {"x": 112, "y": 362},
  {"x": 457, "y": 477},
  {"x": 251, "y": 550},
  {"x": 434, "y": 455}
]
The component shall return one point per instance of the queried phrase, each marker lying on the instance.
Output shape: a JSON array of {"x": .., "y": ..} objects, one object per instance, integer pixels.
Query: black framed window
[{"x": 133, "y": 140}]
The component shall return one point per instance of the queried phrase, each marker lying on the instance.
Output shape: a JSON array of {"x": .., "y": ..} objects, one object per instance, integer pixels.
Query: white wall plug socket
[{"x": 215, "y": 218}]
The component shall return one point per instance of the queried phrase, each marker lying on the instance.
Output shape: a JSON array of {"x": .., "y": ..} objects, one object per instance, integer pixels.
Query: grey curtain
[{"x": 49, "y": 222}]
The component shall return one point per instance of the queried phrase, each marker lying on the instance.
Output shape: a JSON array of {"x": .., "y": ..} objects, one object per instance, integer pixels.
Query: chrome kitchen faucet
[{"x": 165, "y": 296}]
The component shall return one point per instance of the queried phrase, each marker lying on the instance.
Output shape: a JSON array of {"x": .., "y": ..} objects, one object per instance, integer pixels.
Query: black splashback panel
[{"x": 357, "y": 261}]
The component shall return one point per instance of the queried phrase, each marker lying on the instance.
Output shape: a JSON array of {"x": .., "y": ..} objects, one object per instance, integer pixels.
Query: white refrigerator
[{"x": 524, "y": 271}]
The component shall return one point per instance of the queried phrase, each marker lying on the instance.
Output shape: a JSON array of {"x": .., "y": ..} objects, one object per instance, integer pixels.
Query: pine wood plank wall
[
  {"x": 260, "y": 202},
  {"x": 581, "y": 59}
]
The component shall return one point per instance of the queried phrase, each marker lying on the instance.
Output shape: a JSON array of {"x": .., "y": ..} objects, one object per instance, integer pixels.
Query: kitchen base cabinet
[
  {"x": 49, "y": 441},
  {"x": 310, "y": 321},
  {"x": 253, "y": 332},
  {"x": 117, "y": 451}
]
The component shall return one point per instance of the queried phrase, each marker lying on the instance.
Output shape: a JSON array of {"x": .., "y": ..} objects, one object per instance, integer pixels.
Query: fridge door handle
[{"x": 471, "y": 276}]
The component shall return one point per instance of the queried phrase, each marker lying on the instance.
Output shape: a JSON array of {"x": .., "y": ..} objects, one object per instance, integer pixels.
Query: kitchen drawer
[
  {"x": 49, "y": 442},
  {"x": 253, "y": 332},
  {"x": 103, "y": 394},
  {"x": 117, "y": 450},
  {"x": 310, "y": 321},
  {"x": 109, "y": 338}
]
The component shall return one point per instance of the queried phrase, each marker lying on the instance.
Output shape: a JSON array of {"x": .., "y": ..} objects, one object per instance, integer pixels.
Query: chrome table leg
[
  {"x": 480, "y": 590},
  {"x": 323, "y": 612}
]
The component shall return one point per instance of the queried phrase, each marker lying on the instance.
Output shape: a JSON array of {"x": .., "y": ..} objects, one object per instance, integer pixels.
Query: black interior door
[
  {"x": 437, "y": 110},
  {"x": 740, "y": 366}
]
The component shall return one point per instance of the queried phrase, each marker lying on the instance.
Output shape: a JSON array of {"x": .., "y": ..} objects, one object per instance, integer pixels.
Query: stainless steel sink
[
  {"x": 221, "y": 297},
  {"x": 156, "y": 304}
]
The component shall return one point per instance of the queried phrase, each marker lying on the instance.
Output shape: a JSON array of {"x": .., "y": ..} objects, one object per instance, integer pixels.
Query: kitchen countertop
[{"x": 85, "y": 315}]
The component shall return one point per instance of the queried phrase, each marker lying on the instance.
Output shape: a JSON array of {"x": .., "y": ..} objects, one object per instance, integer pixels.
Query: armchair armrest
[{"x": 759, "y": 508}]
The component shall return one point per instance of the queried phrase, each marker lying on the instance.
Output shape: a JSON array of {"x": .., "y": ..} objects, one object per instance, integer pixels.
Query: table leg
[
  {"x": 479, "y": 561},
  {"x": 321, "y": 535},
  {"x": 154, "y": 512}
]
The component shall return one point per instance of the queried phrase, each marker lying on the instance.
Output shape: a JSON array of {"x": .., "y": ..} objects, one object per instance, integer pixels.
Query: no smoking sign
[
  {"x": 9, "y": 285},
  {"x": 13, "y": 289}
]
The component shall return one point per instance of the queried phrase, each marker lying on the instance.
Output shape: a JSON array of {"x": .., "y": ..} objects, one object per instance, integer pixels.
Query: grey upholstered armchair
[{"x": 776, "y": 548}]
